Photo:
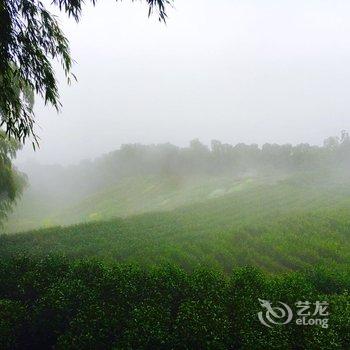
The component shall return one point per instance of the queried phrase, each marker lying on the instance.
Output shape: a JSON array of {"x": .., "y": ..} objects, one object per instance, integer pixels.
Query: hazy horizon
[{"x": 239, "y": 72}]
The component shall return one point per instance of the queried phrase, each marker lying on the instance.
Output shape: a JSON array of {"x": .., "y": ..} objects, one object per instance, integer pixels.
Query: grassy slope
[
  {"x": 278, "y": 227},
  {"x": 129, "y": 196}
]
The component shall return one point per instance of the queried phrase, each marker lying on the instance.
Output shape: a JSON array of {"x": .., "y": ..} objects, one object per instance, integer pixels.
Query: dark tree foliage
[
  {"x": 52, "y": 303},
  {"x": 30, "y": 38},
  {"x": 11, "y": 181}
]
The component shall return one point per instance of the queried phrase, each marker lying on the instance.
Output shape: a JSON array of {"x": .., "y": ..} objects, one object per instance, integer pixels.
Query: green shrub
[{"x": 13, "y": 325}]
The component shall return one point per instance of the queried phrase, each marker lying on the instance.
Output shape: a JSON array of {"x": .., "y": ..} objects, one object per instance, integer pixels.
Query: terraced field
[{"x": 277, "y": 227}]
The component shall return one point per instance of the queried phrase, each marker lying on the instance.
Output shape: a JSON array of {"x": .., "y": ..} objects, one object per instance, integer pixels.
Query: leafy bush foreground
[{"x": 56, "y": 303}]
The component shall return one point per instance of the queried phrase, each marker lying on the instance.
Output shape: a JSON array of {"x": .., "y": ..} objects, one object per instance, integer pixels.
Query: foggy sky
[{"x": 251, "y": 71}]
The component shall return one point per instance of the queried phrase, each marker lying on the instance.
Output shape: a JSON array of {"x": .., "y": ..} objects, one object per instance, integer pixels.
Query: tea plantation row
[{"x": 57, "y": 303}]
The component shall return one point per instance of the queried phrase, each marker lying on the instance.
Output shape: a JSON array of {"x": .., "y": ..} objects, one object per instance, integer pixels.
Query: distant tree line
[{"x": 222, "y": 158}]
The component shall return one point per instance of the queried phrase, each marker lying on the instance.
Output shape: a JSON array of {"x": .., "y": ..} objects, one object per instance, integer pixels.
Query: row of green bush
[
  {"x": 56, "y": 303},
  {"x": 277, "y": 228}
]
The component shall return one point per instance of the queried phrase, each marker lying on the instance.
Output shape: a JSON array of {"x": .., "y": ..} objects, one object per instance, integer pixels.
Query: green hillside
[
  {"x": 288, "y": 225},
  {"x": 128, "y": 196},
  {"x": 137, "y": 179}
]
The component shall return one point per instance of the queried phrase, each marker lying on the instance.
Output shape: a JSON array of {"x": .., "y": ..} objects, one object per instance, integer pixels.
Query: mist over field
[
  {"x": 143, "y": 178},
  {"x": 194, "y": 190}
]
